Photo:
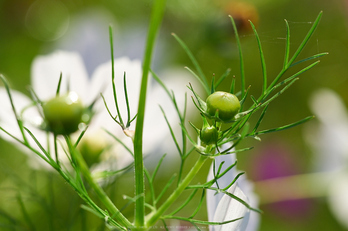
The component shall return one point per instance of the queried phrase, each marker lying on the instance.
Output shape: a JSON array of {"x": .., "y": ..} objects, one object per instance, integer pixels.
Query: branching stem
[{"x": 177, "y": 192}]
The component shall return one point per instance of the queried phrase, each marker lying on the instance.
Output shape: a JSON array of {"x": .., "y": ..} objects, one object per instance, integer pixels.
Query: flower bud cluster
[{"x": 220, "y": 107}]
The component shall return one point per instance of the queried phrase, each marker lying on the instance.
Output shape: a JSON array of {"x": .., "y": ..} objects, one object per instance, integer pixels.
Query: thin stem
[
  {"x": 298, "y": 51},
  {"x": 56, "y": 149},
  {"x": 263, "y": 63},
  {"x": 241, "y": 61},
  {"x": 287, "y": 45},
  {"x": 201, "y": 78},
  {"x": 306, "y": 39},
  {"x": 86, "y": 198},
  {"x": 18, "y": 119},
  {"x": 114, "y": 212},
  {"x": 156, "y": 216},
  {"x": 155, "y": 21},
  {"x": 113, "y": 76}
]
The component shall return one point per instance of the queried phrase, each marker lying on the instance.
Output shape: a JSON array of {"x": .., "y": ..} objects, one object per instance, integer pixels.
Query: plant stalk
[
  {"x": 114, "y": 212},
  {"x": 155, "y": 21},
  {"x": 186, "y": 181}
]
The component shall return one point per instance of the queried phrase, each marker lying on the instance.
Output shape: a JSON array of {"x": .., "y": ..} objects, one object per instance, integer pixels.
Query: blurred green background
[{"x": 37, "y": 200}]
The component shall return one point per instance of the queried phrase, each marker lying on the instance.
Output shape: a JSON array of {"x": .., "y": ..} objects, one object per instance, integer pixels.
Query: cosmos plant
[{"x": 225, "y": 124}]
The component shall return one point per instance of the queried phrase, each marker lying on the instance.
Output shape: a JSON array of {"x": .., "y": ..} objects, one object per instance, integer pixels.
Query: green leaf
[
  {"x": 25, "y": 214},
  {"x": 121, "y": 142},
  {"x": 19, "y": 121},
  {"x": 212, "y": 85},
  {"x": 165, "y": 188},
  {"x": 59, "y": 84},
  {"x": 287, "y": 45},
  {"x": 205, "y": 86},
  {"x": 49, "y": 158},
  {"x": 310, "y": 58},
  {"x": 127, "y": 101},
  {"x": 306, "y": 39},
  {"x": 199, "y": 205},
  {"x": 223, "y": 76},
  {"x": 157, "y": 167},
  {"x": 201, "y": 222},
  {"x": 298, "y": 51},
  {"x": 113, "y": 77},
  {"x": 171, "y": 132},
  {"x": 114, "y": 118},
  {"x": 194, "y": 62},
  {"x": 241, "y": 61},
  {"x": 185, "y": 202},
  {"x": 234, "y": 180},
  {"x": 235, "y": 151},
  {"x": 233, "y": 84},
  {"x": 235, "y": 198},
  {"x": 263, "y": 63},
  {"x": 201, "y": 104},
  {"x": 260, "y": 119},
  {"x": 280, "y": 92},
  {"x": 285, "y": 127},
  {"x": 106, "y": 174}
]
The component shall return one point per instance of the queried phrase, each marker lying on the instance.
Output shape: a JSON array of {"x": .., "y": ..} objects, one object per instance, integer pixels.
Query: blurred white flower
[
  {"x": 91, "y": 24},
  {"x": 329, "y": 137},
  {"x": 328, "y": 140},
  {"x": 222, "y": 207},
  {"x": 45, "y": 75}
]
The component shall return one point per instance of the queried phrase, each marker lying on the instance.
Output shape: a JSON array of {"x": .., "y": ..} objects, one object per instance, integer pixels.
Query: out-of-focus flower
[
  {"x": 91, "y": 24},
  {"x": 329, "y": 137},
  {"x": 222, "y": 207},
  {"x": 242, "y": 13},
  {"x": 329, "y": 143},
  {"x": 45, "y": 75},
  {"x": 129, "y": 39}
]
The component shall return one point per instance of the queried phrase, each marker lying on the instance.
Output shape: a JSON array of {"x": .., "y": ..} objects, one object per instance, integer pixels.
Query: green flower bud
[
  {"x": 209, "y": 135},
  {"x": 225, "y": 103},
  {"x": 63, "y": 114},
  {"x": 92, "y": 147}
]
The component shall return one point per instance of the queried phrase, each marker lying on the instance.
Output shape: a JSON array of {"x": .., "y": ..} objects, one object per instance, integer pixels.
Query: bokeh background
[{"x": 39, "y": 200}]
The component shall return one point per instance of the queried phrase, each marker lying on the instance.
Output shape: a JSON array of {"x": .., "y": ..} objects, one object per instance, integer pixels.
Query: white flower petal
[
  {"x": 251, "y": 220},
  {"x": 212, "y": 199},
  {"x": 7, "y": 117},
  {"x": 29, "y": 117},
  {"x": 157, "y": 137},
  {"x": 329, "y": 142},
  {"x": 101, "y": 81},
  {"x": 337, "y": 197},
  {"x": 46, "y": 70},
  {"x": 328, "y": 106},
  {"x": 329, "y": 138},
  {"x": 230, "y": 209},
  {"x": 88, "y": 35}
]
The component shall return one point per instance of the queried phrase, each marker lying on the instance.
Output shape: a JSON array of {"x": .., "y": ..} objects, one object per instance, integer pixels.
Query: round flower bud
[
  {"x": 225, "y": 103},
  {"x": 63, "y": 114},
  {"x": 92, "y": 146},
  {"x": 209, "y": 135}
]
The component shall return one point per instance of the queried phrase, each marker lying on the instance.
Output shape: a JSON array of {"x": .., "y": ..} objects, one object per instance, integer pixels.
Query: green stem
[
  {"x": 114, "y": 212},
  {"x": 156, "y": 19},
  {"x": 83, "y": 195},
  {"x": 154, "y": 218}
]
